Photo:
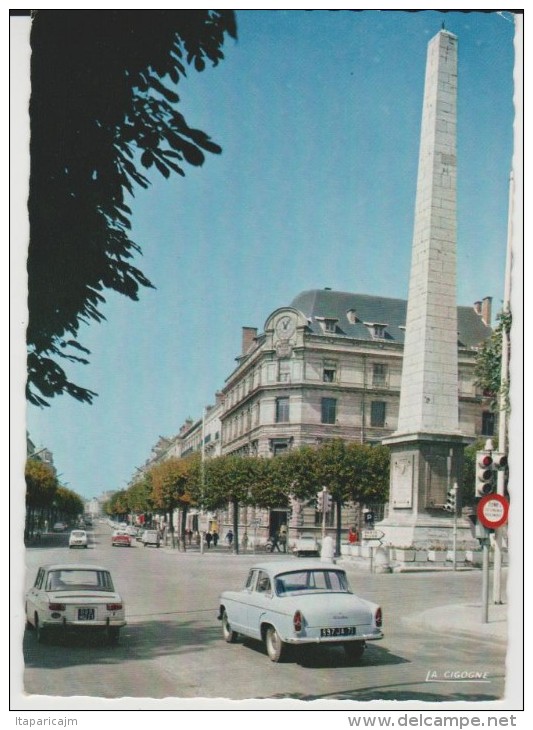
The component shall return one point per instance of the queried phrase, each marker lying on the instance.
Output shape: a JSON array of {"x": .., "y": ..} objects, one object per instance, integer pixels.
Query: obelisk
[{"x": 427, "y": 447}]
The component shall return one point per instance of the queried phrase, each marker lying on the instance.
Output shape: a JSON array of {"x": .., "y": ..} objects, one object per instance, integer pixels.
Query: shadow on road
[
  {"x": 142, "y": 640},
  {"x": 326, "y": 657}
]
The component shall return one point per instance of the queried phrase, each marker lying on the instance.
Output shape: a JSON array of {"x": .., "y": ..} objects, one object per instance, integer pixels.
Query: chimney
[
  {"x": 248, "y": 336},
  {"x": 486, "y": 310}
]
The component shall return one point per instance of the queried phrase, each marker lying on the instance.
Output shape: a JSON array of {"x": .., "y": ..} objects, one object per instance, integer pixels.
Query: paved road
[{"x": 172, "y": 645}]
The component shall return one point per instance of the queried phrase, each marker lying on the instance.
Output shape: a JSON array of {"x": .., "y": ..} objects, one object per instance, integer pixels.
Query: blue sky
[{"x": 318, "y": 114}]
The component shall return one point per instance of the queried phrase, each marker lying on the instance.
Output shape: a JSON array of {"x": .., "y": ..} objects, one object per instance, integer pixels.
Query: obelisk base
[{"x": 424, "y": 466}]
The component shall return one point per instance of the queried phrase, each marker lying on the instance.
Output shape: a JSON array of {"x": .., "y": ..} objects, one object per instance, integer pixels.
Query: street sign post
[{"x": 492, "y": 512}]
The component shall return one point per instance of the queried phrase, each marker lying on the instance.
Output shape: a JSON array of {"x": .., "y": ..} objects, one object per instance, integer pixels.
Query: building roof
[{"x": 356, "y": 313}]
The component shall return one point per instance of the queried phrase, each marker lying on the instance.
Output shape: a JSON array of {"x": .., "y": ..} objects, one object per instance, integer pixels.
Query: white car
[
  {"x": 296, "y": 603},
  {"x": 151, "y": 537},
  {"x": 74, "y": 597},
  {"x": 307, "y": 546},
  {"x": 78, "y": 538}
]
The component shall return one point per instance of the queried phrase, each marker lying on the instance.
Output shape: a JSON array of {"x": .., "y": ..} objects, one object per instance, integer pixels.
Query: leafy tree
[
  {"x": 102, "y": 110},
  {"x": 118, "y": 505},
  {"x": 295, "y": 472},
  {"x": 41, "y": 488},
  {"x": 170, "y": 487},
  {"x": 140, "y": 495},
  {"x": 350, "y": 471},
  {"x": 68, "y": 503},
  {"x": 231, "y": 479},
  {"x": 489, "y": 362}
]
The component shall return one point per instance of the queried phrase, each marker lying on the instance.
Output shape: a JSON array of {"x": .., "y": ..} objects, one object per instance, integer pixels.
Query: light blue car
[{"x": 290, "y": 602}]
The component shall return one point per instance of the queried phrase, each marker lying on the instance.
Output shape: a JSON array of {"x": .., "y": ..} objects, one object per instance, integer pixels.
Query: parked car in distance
[
  {"x": 132, "y": 531},
  {"x": 78, "y": 538},
  {"x": 151, "y": 537},
  {"x": 287, "y": 603},
  {"x": 59, "y": 527},
  {"x": 120, "y": 538},
  {"x": 74, "y": 597},
  {"x": 307, "y": 545}
]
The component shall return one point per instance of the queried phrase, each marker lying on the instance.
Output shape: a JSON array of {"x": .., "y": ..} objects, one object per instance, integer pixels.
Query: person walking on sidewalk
[
  {"x": 215, "y": 538},
  {"x": 229, "y": 538},
  {"x": 208, "y": 538}
]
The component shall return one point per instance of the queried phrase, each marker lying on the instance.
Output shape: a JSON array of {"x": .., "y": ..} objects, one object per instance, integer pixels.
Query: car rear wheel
[
  {"x": 227, "y": 632},
  {"x": 113, "y": 634},
  {"x": 354, "y": 649},
  {"x": 42, "y": 633},
  {"x": 276, "y": 648}
]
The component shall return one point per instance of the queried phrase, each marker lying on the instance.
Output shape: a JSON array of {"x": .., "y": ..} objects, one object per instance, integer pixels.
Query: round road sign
[{"x": 493, "y": 510}]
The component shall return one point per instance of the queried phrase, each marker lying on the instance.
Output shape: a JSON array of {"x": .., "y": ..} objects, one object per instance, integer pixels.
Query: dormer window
[
  {"x": 377, "y": 329},
  {"x": 329, "y": 324}
]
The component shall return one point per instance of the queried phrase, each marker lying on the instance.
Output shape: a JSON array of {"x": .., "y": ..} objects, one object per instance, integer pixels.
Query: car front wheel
[
  {"x": 229, "y": 635},
  {"x": 276, "y": 648}
]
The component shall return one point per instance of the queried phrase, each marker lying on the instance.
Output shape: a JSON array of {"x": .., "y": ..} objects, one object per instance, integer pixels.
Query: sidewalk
[{"x": 464, "y": 620}]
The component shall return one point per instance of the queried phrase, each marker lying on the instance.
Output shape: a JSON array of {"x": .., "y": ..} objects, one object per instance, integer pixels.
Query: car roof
[
  {"x": 284, "y": 566},
  {"x": 72, "y": 566}
]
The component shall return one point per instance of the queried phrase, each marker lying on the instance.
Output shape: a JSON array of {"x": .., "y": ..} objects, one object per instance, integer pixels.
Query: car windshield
[
  {"x": 312, "y": 580},
  {"x": 68, "y": 579},
  {"x": 78, "y": 533}
]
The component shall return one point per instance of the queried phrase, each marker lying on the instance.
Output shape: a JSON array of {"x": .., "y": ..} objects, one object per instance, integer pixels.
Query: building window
[
  {"x": 329, "y": 374},
  {"x": 379, "y": 374},
  {"x": 377, "y": 413},
  {"x": 330, "y": 325},
  {"x": 487, "y": 423},
  {"x": 377, "y": 329},
  {"x": 282, "y": 410},
  {"x": 284, "y": 373},
  {"x": 329, "y": 410}
]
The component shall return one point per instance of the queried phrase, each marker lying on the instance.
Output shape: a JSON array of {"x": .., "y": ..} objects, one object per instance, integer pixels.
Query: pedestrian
[
  {"x": 283, "y": 537},
  {"x": 208, "y": 538},
  {"x": 352, "y": 535},
  {"x": 274, "y": 542},
  {"x": 189, "y": 536},
  {"x": 215, "y": 538},
  {"x": 245, "y": 541},
  {"x": 229, "y": 538}
]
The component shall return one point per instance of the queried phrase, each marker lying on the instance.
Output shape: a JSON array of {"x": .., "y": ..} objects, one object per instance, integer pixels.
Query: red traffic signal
[{"x": 484, "y": 473}]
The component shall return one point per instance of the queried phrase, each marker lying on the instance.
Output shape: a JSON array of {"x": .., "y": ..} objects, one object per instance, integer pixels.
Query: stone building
[{"x": 329, "y": 366}]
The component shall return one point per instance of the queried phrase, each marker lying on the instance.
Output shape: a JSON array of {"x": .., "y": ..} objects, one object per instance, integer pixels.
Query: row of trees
[
  {"x": 46, "y": 498},
  {"x": 352, "y": 473}
]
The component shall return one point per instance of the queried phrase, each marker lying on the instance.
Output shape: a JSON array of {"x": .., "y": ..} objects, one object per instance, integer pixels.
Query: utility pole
[{"x": 503, "y": 399}]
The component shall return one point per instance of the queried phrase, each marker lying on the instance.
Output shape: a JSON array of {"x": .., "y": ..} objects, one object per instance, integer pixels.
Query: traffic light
[
  {"x": 451, "y": 500},
  {"x": 499, "y": 460},
  {"x": 320, "y": 500},
  {"x": 328, "y": 501},
  {"x": 484, "y": 473}
]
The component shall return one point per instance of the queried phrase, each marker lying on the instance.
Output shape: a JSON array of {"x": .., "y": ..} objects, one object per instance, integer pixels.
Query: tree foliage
[
  {"x": 103, "y": 108},
  {"x": 41, "y": 484},
  {"x": 489, "y": 363},
  {"x": 170, "y": 484}
]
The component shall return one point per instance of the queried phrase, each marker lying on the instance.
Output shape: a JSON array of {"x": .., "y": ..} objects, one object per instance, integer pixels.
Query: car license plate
[
  {"x": 85, "y": 614},
  {"x": 339, "y": 631}
]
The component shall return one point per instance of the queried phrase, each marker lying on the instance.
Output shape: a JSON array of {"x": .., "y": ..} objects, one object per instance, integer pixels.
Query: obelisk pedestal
[{"x": 427, "y": 447}]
